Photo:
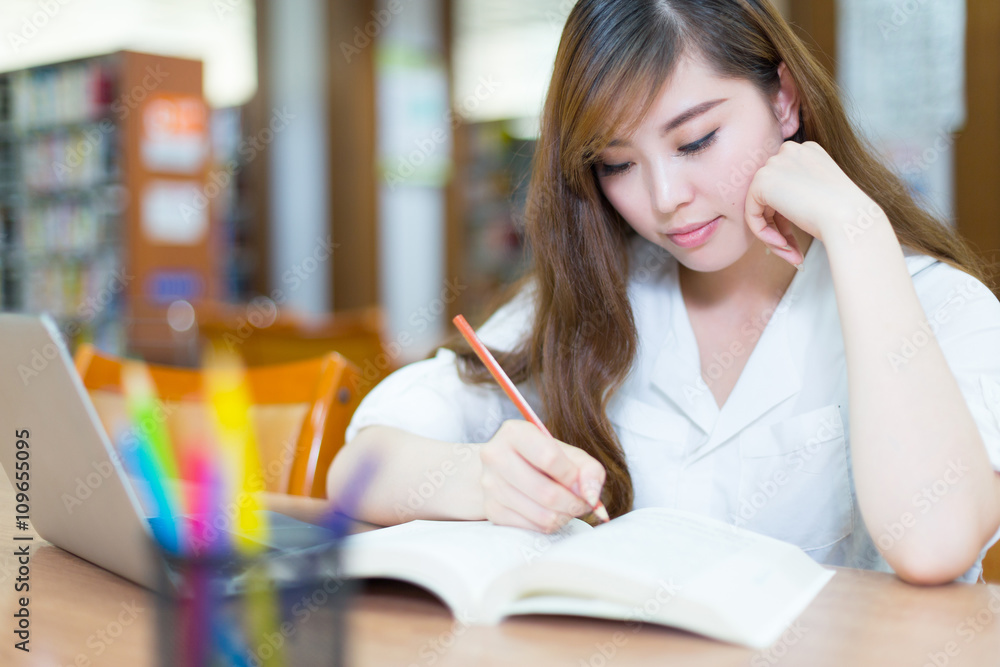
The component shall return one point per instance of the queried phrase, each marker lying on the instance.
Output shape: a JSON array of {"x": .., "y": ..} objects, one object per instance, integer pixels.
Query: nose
[{"x": 669, "y": 188}]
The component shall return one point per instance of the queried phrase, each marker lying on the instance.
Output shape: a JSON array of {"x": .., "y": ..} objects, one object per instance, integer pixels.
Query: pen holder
[{"x": 261, "y": 611}]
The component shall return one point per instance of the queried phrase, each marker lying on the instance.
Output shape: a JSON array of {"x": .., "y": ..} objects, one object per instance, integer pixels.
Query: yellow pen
[{"x": 229, "y": 397}]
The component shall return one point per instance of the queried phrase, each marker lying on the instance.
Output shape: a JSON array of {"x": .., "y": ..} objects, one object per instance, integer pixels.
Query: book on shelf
[
  {"x": 59, "y": 177},
  {"x": 92, "y": 198},
  {"x": 652, "y": 565}
]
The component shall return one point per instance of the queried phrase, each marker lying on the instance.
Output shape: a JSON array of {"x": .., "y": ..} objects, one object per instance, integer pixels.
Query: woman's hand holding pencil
[{"x": 530, "y": 479}]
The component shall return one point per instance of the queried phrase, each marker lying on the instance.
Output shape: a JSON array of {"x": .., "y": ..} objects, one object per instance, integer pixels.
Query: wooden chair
[
  {"x": 991, "y": 565},
  {"x": 300, "y": 411},
  {"x": 262, "y": 333}
]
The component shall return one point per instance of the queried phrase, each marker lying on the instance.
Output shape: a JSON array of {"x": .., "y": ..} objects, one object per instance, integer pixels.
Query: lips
[
  {"x": 690, "y": 228},
  {"x": 699, "y": 234}
]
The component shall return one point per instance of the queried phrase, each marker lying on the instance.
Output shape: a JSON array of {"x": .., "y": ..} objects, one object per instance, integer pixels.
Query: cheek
[
  {"x": 622, "y": 195},
  {"x": 734, "y": 168},
  {"x": 733, "y": 174}
]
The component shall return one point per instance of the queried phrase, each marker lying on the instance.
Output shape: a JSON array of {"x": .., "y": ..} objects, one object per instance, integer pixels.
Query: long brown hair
[{"x": 613, "y": 58}]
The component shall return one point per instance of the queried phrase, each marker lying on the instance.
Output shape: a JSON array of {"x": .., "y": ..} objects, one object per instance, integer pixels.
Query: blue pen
[
  {"x": 140, "y": 463},
  {"x": 223, "y": 637}
]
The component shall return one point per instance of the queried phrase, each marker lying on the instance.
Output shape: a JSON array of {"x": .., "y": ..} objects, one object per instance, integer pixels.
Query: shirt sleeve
[
  {"x": 964, "y": 316},
  {"x": 428, "y": 398}
]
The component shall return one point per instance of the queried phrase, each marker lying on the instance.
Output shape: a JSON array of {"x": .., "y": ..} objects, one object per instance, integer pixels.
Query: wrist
[
  {"x": 861, "y": 225},
  {"x": 468, "y": 502}
]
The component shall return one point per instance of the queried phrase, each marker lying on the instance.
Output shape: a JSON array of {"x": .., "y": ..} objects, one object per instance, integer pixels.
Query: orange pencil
[{"x": 512, "y": 393}]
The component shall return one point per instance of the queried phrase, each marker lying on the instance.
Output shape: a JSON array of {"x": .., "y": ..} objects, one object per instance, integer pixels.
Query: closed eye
[
  {"x": 614, "y": 169},
  {"x": 700, "y": 145},
  {"x": 688, "y": 149}
]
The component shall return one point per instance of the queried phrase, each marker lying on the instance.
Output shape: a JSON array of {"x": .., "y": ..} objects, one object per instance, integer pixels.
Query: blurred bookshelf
[
  {"x": 59, "y": 195},
  {"x": 493, "y": 184},
  {"x": 98, "y": 158},
  {"x": 233, "y": 215}
]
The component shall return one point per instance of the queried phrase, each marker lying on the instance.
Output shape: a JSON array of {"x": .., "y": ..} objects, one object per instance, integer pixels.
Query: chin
[
  {"x": 721, "y": 251},
  {"x": 711, "y": 257}
]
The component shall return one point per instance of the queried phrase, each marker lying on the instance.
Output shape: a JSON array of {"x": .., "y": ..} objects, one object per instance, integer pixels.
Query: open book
[{"x": 652, "y": 565}]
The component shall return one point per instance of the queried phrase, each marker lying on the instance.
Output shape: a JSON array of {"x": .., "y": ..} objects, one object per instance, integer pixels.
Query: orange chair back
[
  {"x": 271, "y": 335},
  {"x": 991, "y": 565},
  {"x": 307, "y": 404}
]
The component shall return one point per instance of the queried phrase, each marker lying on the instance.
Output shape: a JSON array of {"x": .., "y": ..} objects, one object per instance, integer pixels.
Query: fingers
[
  {"x": 518, "y": 473},
  {"x": 543, "y": 453},
  {"x": 513, "y": 507},
  {"x": 591, "y": 476},
  {"x": 530, "y": 475},
  {"x": 504, "y": 516},
  {"x": 758, "y": 216},
  {"x": 784, "y": 225},
  {"x": 761, "y": 216},
  {"x": 772, "y": 228}
]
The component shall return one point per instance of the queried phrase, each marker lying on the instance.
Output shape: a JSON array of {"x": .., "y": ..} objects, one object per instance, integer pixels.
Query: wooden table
[{"x": 83, "y": 615}]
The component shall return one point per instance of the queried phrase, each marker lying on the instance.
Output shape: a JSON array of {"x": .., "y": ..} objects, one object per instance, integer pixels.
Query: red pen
[{"x": 512, "y": 393}]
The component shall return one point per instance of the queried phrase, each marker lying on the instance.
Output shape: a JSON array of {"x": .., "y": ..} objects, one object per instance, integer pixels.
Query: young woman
[{"x": 734, "y": 309}]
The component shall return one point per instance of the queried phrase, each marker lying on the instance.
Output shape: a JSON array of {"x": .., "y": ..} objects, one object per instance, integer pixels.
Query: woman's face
[{"x": 691, "y": 160}]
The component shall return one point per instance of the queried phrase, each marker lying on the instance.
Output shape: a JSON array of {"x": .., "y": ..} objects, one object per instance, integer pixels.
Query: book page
[
  {"x": 456, "y": 560},
  {"x": 670, "y": 567},
  {"x": 658, "y": 543}
]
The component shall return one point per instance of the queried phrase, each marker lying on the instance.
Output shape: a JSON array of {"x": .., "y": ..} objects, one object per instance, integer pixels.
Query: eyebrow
[{"x": 679, "y": 120}]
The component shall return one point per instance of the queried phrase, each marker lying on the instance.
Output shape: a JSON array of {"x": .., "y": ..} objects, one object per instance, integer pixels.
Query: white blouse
[{"x": 776, "y": 458}]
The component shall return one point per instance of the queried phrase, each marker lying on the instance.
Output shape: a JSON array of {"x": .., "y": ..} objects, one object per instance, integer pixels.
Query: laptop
[{"x": 81, "y": 498}]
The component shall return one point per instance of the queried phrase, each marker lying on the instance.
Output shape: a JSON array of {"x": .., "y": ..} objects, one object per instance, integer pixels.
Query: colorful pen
[{"x": 229, "y": 398}]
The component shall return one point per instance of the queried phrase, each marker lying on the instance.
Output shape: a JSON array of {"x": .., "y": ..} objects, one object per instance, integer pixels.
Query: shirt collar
[{"x": 769, "y": 377}]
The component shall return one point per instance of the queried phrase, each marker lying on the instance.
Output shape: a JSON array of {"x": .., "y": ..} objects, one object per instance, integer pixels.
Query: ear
[{"x": 786, "y": 103}]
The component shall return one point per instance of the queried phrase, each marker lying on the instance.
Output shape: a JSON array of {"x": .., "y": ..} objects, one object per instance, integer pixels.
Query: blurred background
[{"x": 291, "y": 176}]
